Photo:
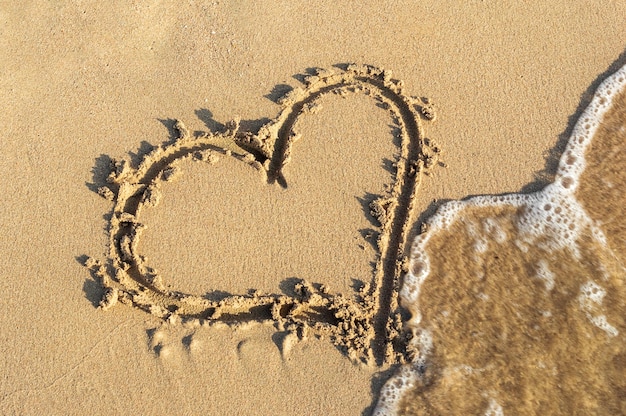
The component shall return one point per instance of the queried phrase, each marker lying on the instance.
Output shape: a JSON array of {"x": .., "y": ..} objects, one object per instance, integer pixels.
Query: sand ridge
[{"x": 367, "y": 325}]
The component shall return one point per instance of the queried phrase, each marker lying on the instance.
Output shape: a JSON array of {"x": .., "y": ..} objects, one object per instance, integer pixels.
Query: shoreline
[{"x": 84, "y": 81}]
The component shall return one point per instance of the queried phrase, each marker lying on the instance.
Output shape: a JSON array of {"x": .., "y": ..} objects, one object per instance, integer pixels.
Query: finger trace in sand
[
  {"x": 526, "y": 315},
  {"x": 367, "y": 325}
]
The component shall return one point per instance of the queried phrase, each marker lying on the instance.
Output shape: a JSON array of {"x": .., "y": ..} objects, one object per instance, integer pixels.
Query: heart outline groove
[{"x": 368, "y": 326}]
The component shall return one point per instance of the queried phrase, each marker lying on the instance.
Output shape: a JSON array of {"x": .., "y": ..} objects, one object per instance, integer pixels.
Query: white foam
[
  {"x": 591, "y": 298},
  {"x": 551, "y": 218},
  {"x": 494, "y": 409},
  {"x": 544, "y": 273},
  {"x": 601, "y": 322},
  {"x": 492, "y": 228},
  {"x": 481, "y": 244},
  {"x": 405, "y": 378},
  {"x": 393, "y": 390},
  {"x": 572, "y": 163},
  {"x": 555, "y": 217},
  {"x": 591, "y": 292}
]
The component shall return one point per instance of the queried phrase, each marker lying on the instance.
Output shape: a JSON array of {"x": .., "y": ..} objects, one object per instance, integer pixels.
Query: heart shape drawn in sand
[{"x": 366, "y": 326}]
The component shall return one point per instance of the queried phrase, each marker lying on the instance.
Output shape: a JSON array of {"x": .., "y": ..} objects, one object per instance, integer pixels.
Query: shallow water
[{"x": 518, "y": 302}]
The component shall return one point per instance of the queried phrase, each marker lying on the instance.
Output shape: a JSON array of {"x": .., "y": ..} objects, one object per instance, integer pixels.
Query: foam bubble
[
  {"x": 590, "y": 299},
  {"x": 572, "y": 164},
  {"x": 406, "y": 377},
  {"x": 393, "y": 390},
  {"x": 591, "y": 293},
  {"x": 600, "y": 322}
]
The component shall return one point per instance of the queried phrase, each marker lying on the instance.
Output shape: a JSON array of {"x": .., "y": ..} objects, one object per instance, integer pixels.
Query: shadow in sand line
[
  {"x": 100, "y": 172},
  {"x": 278, "y": 92},
  {"x": 366, "y": 206},
  {"x": 206, "y": 116},
  {"x": 92, "y": 288},
  {"x": 170, "y": 125}
]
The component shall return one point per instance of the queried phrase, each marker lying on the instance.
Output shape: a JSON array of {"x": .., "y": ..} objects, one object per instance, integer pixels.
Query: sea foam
[{"x": 551, "y": 220}]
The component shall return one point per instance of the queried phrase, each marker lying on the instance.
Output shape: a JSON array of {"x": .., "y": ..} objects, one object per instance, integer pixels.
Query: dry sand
[{"x": 86, "y": 83}]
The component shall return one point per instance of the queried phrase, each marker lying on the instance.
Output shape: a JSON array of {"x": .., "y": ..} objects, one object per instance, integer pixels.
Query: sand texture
[
  {"x": 210, "y": 208},
  {"x": 366, "y": 325}
]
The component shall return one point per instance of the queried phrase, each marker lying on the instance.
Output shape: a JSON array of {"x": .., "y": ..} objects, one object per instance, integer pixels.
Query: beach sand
[{"x": 85, "y": 83}]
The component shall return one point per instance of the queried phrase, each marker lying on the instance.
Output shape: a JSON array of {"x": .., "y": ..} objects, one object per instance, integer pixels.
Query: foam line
[{"x": 551, "y": 219}]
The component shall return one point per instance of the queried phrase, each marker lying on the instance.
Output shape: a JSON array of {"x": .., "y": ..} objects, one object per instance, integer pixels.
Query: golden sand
[{"x": 84, "y": 82}]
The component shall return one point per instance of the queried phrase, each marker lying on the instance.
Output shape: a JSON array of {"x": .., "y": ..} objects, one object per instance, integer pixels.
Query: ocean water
[{"x": 518, "y": 302}]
